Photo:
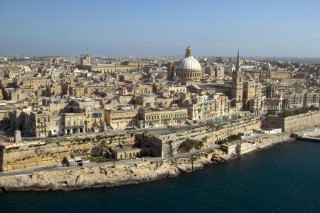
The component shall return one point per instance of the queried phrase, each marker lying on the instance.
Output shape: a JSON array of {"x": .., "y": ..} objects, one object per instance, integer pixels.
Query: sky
[{"x": 279, "y": 28}]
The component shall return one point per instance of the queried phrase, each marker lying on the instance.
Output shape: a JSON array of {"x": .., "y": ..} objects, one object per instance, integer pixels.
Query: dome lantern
[{"x": 188, "y": 52}]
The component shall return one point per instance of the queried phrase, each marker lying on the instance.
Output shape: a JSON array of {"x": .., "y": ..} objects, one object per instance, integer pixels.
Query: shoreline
[{"x": 119, "y": 175}]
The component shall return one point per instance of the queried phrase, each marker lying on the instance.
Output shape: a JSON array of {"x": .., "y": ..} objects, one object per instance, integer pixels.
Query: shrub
[{"x": 189, "y": 144}]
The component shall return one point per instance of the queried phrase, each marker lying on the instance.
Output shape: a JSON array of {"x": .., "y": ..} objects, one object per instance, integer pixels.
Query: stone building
[
  {"x": 126, "y": 153},
  {"x": 73, "y": 123},
  {"x": 85, "y": 60},
  {"x": 216, "y": 71},
  {"x": 6, "y": 118},
  {"x": 40, "y": 123},
  {"x": 141, "y": 88},
  {"x": 149, "y": 118},
  {"x": 188, "y": 69},
  {"x": 207, "y": 107},
  {"x": 311, "y": 99},
  {"x": 292, "y": 100},
  {"x": 121, "y": 119},
  {"x": 252, "y": 96},
  {"x": 145, "y": 100},
  {"x": 237, "y": 86}
]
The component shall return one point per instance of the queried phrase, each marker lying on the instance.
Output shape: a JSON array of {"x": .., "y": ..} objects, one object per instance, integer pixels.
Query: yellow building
[
  {"x": 162, "y": 118},
  {"x": 73, "y": 123},
  {"x": 208, "y": 107},
  {"x": 126, "y": 153},
  {"x": 121, "y": 119},
  {"x": 40, "y": 123},
  {"x": 252, "y": 96}
]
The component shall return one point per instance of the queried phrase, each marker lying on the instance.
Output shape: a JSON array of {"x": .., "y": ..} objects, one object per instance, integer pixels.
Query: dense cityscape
[
  {"x": 89, "y": 100},
  {"x": 169, "y": 106}
]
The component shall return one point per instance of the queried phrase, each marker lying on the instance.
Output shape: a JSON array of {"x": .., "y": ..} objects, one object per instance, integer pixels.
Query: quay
[{"x": 308, "y": 135}]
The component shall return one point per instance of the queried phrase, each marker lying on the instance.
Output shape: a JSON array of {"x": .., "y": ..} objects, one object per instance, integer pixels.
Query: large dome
[{"x": 189, "y": 64}]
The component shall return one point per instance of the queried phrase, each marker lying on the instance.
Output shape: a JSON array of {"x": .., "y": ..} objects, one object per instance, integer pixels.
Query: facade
[
  {"x": 121, "y": 119},
  {"x": 126, "y": 153},
  {"x": 162, "y": 118},
  {"x": 5, "y": 118},
  {"x": 73, "y": 123},
  {"x": 40, "y": 124},
  {"x": 311, "y": 99},
  {"x": 292, "y": 100},
  {"x": 85, "y": 60},
  {"x": 252, "y": 96},
  {"x": 145, "y": 100},
  {"x": 216, "y": 71},
  {"x": 274, "y": 103},
  {"x": 207, "y": 108}
]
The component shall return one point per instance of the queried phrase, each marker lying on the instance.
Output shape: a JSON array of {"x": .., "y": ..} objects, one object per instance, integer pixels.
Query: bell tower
[{"x": 237, "y": 86}]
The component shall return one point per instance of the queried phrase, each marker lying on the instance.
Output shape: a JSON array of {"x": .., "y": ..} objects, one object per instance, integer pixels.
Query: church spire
[{"x": 238, "y": 62}]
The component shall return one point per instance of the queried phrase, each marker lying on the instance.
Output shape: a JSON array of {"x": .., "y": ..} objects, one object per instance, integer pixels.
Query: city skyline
[{"x": 142, "y": 28}]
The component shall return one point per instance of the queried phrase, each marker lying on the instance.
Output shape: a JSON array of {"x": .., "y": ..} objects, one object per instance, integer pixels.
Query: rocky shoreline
[{"x": 117, "y": 175}]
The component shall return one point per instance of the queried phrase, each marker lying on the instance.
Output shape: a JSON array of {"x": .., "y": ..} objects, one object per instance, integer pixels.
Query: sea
[{"x": 282, "y": 178}]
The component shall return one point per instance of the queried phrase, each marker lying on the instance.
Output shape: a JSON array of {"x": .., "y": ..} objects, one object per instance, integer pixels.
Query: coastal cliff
[{"x": 109, "y": 175}]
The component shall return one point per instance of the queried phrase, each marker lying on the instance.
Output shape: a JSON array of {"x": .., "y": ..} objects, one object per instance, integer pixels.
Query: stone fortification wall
[
  {"x": 39, "y": 155},
  {"x": 293, "y": 123},
  {"x": 303, "y": 121},
  {"x": 52, "y": 151},
  {"x": 209, "y": 136},
  {"x": 114, "y": 175}
]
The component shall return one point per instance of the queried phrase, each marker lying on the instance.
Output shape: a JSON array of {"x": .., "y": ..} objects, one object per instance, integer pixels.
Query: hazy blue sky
[{"x": 161, "y": 28}]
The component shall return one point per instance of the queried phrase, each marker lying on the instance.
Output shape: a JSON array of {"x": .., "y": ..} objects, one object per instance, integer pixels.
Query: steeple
[
  {"x": 238, "y": 62},
  {"x": 188, "y": 51}
]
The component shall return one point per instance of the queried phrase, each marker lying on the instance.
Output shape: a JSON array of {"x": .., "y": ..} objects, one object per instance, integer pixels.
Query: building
[
  {"x": 207, "y": 107},
  {"x": 149, "y": 118},
  {"x": 40, "y": 123},
  {"x": 121, "y": 119},
  {"x": 126, "y": 153},
  {"x": 237, "y": 86},
  {"x": 311, "y": 99},
  {"x": 85, "y": 60},
  {"x": 216, "y": 71},
  {"x": 73, "y": 123},
  {"x": 189, "y": 69},
  {"x": 252, "y": 96}
]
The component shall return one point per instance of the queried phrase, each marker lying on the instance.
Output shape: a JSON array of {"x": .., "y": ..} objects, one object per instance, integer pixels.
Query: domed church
[{"x": 188, "y": 69}]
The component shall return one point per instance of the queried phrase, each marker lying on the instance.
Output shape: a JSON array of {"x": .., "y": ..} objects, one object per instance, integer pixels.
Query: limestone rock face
[
  {"x": 115, "y": 175},
  {"x": 26, "y": 157},
  {"x": 108, "y": 175}
]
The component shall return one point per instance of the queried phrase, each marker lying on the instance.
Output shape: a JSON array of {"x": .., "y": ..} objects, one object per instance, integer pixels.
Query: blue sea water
[{"x": 283, "y": 178}]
